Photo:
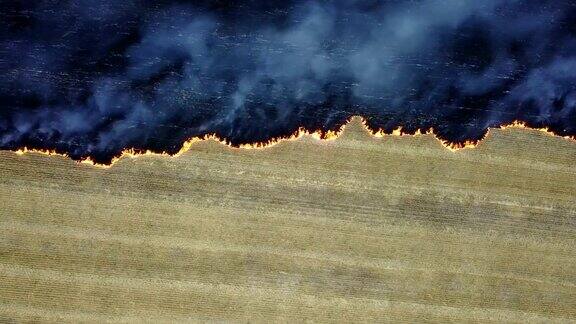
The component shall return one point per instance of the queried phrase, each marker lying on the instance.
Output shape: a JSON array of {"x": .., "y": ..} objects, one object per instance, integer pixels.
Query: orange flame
[
  {"x": 546, "y": 130},
  {"x": 301, "y": 132}
]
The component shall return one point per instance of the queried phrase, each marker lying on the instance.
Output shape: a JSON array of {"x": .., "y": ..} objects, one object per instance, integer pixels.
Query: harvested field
[{"x": 353, "y": 229}]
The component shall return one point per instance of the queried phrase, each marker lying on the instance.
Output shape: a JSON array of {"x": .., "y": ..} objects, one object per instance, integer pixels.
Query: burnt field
[{"x": 93, "y": 78}]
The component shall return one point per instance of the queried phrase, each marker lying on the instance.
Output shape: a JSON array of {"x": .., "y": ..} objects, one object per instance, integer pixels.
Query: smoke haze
[{"x": 90, "y": 78}]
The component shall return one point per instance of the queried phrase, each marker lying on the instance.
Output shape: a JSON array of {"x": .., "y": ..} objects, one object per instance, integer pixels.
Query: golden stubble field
[{"x": 354, "y": 229}]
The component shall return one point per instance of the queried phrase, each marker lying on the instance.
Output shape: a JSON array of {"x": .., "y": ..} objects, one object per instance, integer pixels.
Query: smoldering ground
[{"x": 90, "y": 78}]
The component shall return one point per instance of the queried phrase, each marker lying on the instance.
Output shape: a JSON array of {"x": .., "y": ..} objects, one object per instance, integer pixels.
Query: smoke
[{"x": 90, "y": 78}]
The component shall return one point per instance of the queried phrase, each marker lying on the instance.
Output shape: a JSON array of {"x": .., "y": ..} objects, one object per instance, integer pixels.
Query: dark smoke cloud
[{"x": 90, "y": 78}]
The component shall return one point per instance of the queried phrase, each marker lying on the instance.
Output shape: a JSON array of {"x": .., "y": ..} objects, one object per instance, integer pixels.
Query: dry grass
[{"x": 355, "y": 229}]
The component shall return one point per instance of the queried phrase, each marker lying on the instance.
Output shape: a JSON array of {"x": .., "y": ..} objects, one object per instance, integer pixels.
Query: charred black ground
[{"x": 90, "y": 78}]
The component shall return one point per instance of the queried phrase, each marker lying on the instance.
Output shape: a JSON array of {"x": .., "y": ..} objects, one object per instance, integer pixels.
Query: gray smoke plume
[{"x": 91, "y": 78}]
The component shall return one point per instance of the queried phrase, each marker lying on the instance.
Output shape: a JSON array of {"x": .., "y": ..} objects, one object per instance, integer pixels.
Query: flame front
[{"x": 301, "y": 132}]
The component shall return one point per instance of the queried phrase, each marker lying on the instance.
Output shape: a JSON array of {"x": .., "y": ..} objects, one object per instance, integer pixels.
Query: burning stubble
[{"x": 317, "y": 135}]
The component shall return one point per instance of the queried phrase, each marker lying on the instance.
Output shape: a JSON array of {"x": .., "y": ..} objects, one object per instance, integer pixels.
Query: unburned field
[{"x": 353, "y": 229}]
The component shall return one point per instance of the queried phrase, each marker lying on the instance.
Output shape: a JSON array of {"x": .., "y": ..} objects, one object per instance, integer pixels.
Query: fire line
[{"x": 301, "y": 132}]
